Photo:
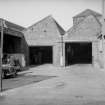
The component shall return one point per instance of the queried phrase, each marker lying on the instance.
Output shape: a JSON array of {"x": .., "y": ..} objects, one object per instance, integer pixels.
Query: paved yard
[
  {"x": 22, "y": 80},
  {"x": 75, "y": 85}
]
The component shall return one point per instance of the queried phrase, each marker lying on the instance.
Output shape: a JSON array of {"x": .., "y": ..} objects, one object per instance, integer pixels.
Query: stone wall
[
  {"x": 45, "y": 33},
  {"x": 77, "y": 20},
  {"x": 86, "y": 30}
]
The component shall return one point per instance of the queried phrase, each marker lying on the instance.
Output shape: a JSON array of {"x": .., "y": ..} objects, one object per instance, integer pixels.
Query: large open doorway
[
  {"x": 78, "y": 53},
  {"x": 11, "y": 44},
  {"x": 41, "y": 55},
  {"x": 12, "y": 48}
]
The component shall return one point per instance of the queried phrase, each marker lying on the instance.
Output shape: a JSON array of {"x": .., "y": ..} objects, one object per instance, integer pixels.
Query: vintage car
[
  {"x": 8, "y": 70},
  {"x": 10, "y": 66}
]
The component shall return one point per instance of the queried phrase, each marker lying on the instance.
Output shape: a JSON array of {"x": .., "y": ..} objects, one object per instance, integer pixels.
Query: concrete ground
[
  {"x": 22, "y": 79},
  {"x": 74, "y": 85}
]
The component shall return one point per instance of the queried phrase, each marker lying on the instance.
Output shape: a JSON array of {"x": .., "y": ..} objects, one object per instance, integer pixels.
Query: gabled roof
[
  {"x": 11, "y": 28},
  {"x": 87, "y": 12},
  {"x": 40, "y": 21},
  {"x": 61, "y": 30},
  {"x": 46, "y": 29},
  {"x": 76, "y": 28}
]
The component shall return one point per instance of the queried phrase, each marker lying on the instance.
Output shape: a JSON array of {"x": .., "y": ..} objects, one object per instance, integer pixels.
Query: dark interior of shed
[
  {"x": 40, "y": 55},
  {"x": 78, "y": 53},
  {"x": 11, "y": 44}
]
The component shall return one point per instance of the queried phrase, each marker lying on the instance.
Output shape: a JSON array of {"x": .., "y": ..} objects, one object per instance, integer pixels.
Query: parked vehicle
[
  {"x": 10, "y": 67},
  {"x": 8, "y": 70}
]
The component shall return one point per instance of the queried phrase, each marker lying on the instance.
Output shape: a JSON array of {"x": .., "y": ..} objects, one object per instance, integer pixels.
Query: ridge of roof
[
  {"x": 86, "y": 13},
  {"x": 61, "y": 30},
  {"x": 70, "y": 29},
  {"x": 75, "y": 26},
  {"x": 49, "y": 16}
]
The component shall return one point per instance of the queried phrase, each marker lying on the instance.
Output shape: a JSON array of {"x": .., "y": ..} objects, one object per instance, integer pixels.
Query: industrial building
[
  {"x": 83, "y": 41},
  {"x": 44, "y": 42},
  {"x": 13, "y": 40}
]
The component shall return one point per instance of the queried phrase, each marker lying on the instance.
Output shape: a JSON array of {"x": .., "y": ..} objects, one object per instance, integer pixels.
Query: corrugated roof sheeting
[{"x": 12, "y": 29}]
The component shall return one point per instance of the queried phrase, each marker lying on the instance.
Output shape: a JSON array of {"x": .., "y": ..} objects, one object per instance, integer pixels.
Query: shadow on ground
[{"x": 22, "y": 80}]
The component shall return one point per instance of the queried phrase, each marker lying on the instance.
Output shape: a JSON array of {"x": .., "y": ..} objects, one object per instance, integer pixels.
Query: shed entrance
[
  {"x": 78, "y": 53},
  {"x": 11, "y": 44},
  {"x": 41, "y": 55}
]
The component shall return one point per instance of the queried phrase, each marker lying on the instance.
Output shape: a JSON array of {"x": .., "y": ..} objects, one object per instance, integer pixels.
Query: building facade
[
  {"x": 44, "y": 41},
  {"x": 14, "y": 43},
  {"x": 83, "y": 42}
]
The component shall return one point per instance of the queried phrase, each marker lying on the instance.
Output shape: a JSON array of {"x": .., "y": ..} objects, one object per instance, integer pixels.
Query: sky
[{"x": 28, "y": 12}]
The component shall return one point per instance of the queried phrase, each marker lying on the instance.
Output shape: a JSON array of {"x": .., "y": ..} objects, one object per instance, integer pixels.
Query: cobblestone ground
[{"x": 74, "y": 85}]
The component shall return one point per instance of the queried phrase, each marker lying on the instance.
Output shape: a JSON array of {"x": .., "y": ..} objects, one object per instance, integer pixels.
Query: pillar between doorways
[{"x": 62, "y": 56}]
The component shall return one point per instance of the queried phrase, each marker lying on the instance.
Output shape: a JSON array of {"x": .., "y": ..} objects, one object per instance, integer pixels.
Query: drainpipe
[
  {"x": 103, "y": 31},
  {"x": 61, "y": 60}
]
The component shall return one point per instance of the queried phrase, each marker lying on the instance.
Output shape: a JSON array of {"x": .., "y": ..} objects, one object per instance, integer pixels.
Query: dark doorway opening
[
  {"x": 41, "y": 55},
  {"x": 11, "y": 44},
  {"x": 78, "y": 53}
]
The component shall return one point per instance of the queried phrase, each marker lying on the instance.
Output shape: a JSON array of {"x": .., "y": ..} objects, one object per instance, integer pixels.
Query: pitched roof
[
  {"x": 73, "y": 29},
  {"x": 86, "y": 13},
  {"x": 61, "y": 30},
  {"x": 11, "y": 28},
  {"x": 12, "y": 25},
  {"x": 46, "y": 29},
  {"x": 38, "y": 22}
]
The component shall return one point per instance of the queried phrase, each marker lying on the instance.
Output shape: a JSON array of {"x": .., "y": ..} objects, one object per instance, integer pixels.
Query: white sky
[{"x": 28, "y": 12}]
